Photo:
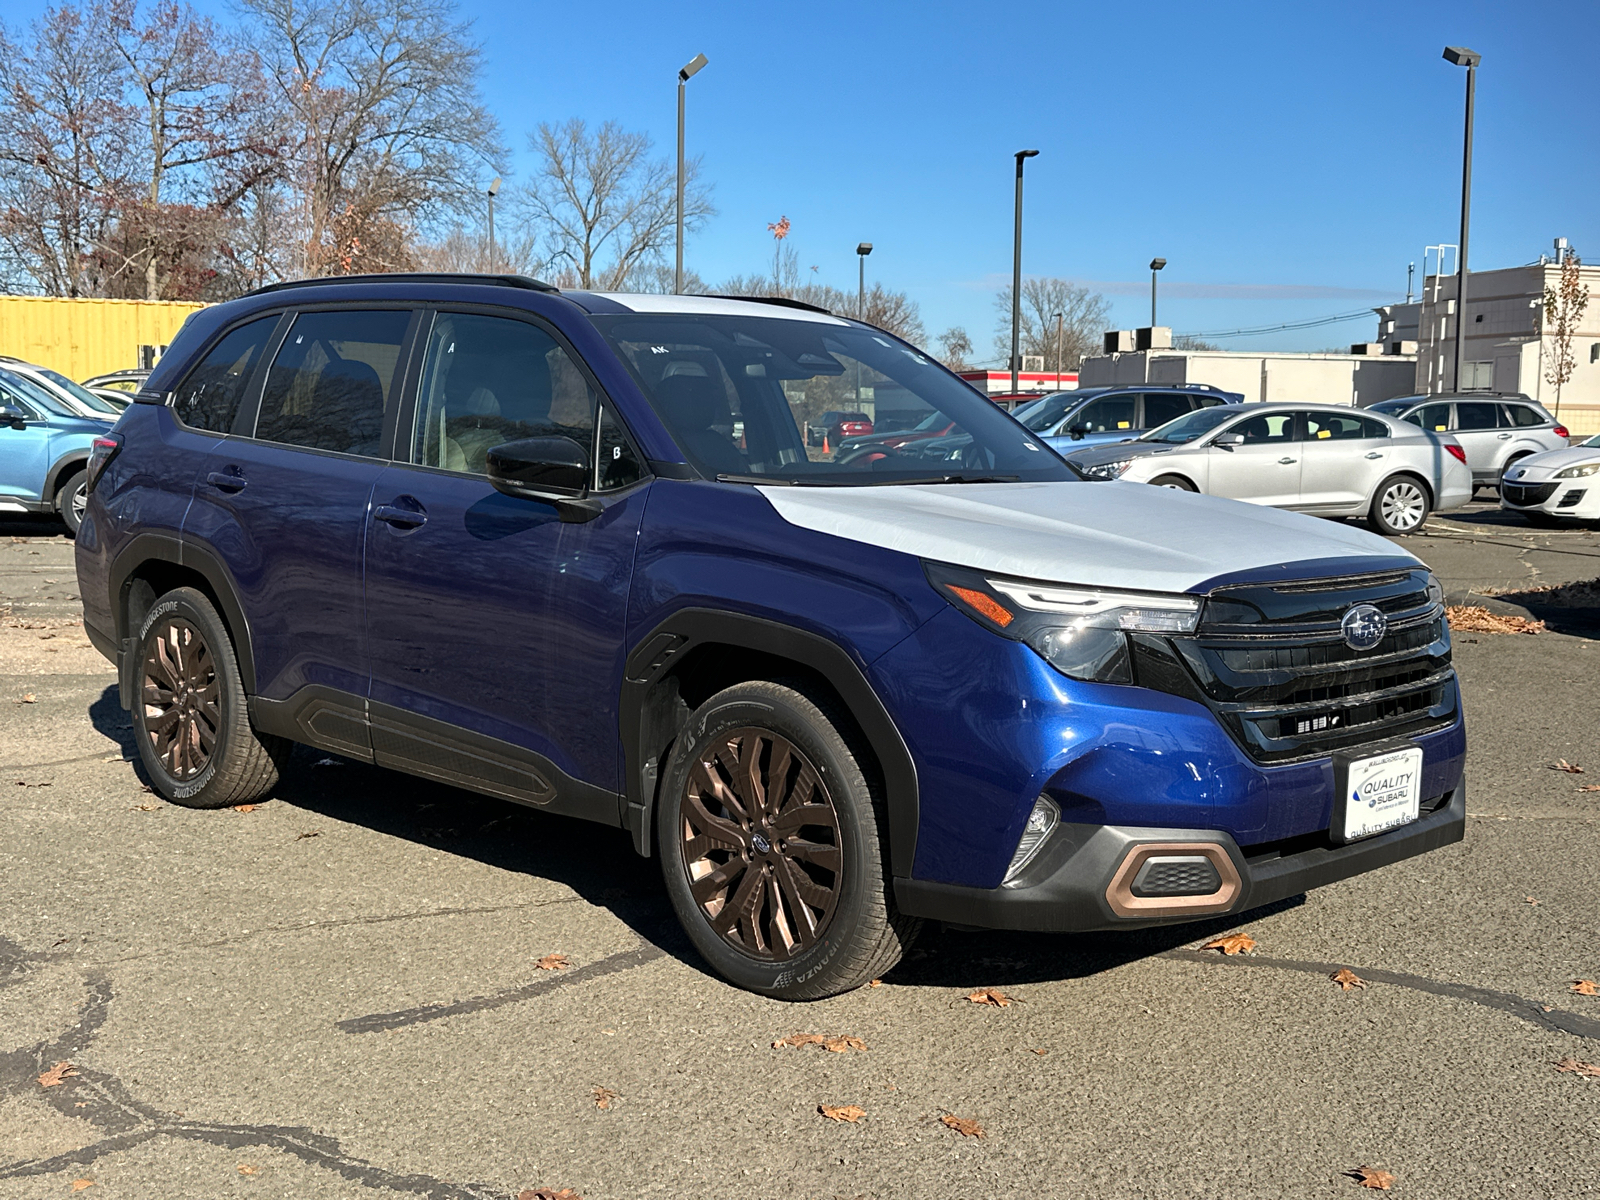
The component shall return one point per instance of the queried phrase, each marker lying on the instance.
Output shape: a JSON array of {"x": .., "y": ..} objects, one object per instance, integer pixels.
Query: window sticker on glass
[
  {"x": 1324, "y": 433},
  {"x": 1441, "y": 428},
  {"x": 1123, "y": 424}
]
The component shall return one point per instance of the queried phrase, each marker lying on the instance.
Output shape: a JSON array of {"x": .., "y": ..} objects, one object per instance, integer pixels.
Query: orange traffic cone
[{"x": 825, "y": 450}]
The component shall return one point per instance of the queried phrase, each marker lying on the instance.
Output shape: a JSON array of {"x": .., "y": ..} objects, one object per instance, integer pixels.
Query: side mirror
[
  {"x": 1229, "y": 440},
  {"x": 13, "y": 416},
  {"x": 553, "y": 469},
  {"x": 1077, "y": 432}
]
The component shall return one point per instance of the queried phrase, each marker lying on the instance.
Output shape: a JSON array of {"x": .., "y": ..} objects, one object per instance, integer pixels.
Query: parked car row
[{"x": 1496, "y": 431}]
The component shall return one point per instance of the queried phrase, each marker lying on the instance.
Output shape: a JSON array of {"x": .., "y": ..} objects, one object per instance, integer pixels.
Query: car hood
[
  {"x": 1094, "y": 456},
  {"x": 1542, "y": 466},
  {"x": 1121, "y": 535}
]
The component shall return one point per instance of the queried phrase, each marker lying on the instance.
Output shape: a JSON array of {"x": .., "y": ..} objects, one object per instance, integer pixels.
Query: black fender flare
[
  {"x": 652, "y": 660},
  {"x": 62, "y": 466},
  {"x": 156, "y": 547}
]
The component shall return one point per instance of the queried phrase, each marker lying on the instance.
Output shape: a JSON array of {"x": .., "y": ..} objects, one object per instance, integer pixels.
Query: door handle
[
  {"x": 1504, "y": 436},
  {"x": 1375, "y": 454},
  {"x": 226, "y": 481},
  {"x": 1286, "y": 461},
  {"x": 401, "y": 518}
]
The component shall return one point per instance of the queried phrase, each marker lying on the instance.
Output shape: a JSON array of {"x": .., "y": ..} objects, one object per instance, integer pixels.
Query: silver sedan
[{"x": 1322, "y": 459}]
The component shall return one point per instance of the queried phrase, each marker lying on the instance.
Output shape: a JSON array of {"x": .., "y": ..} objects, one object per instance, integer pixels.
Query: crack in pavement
[
  {"x": 623, "y": 961},
  {"x": 1555, "y": 1020}
]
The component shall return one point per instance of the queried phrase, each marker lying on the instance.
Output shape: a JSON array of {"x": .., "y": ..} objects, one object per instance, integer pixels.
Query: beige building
[
  {"x": 1284, "y": 377},
  {"x": 1507, "y": 348}
]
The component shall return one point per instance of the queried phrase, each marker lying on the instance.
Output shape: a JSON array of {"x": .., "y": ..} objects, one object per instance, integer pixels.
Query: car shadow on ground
[
  {"x": 600, "y": 865},
  {"x": 1509, "y": 522},
  {"x": 32, "y": 525}
]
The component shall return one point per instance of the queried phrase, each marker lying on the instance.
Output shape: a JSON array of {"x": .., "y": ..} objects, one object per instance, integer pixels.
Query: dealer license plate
[{"x": 1382, "y": 793}]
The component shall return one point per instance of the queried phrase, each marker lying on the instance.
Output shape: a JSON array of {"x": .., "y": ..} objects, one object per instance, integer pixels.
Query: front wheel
[
  {"x": 71, "y": 499},
  {"x": 770, "y": 846},
  {"x": 1176, "y": 482},
  {"x": 1400, "y": 506}
]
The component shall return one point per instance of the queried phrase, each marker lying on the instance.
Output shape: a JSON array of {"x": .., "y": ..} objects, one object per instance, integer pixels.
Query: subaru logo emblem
[
  {"x": 1363, "y": 627},
  {"x": 761, "y": 844}
]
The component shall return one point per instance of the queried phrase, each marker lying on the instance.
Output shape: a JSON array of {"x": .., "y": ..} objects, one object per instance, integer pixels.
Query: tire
[
  {"x": 1510, "y": 462},
  {"x": 816, "y": 923},
  {"x": 71, "y": 498},
  {"x": 1399, "y": 506},
  {"x": 189, "y": 693},
  {"x": 1176, "y": 482}
]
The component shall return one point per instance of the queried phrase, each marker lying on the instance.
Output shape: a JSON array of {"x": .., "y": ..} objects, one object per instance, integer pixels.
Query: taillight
[
  {"x": 1561, "y": 431},
  {"x": 100, "y": 455},
  {"x": 1460, "y": 454}
]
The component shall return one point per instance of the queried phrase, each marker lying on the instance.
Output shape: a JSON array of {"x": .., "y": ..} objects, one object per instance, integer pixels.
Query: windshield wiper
[
  {"x": 866, "y": 481},
  {"x": 956, "y": 479}
]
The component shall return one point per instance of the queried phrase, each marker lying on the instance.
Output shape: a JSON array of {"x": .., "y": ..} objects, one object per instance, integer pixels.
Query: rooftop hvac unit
[
  {"x": 1033, "y": 362},
  {"x": 1118, "y": 341}
]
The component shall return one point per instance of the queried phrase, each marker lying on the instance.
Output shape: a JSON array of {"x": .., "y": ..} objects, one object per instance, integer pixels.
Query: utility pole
[
  {"x": 1058, "y": 352},
  {"x": 864, "y": 249},
  {"x": 493, "y": 188},
  {"x": 1016, "y": 275},
  {"x": 1155, "y": 265},
  {"x": 1462, "y": 57},
  {"x": 1411, "y": 272},
  {"x": 685, "y": 73}
]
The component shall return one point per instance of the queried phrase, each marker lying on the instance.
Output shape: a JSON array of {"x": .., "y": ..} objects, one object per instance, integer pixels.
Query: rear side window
[
  {"x": 1522, "y": 416},
  {"x": 333, "y": 378},
  {"x": 209, "y": 397},
  {"x": 1159, "y": 409},
  {"x": 1477, "y": 415},
  {"x": 488, "y": 380},
  {"x": 1341, "y": 427}
]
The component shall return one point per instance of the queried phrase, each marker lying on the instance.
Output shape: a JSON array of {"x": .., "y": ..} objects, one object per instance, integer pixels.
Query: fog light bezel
[{"x": 1048, "y": 813}]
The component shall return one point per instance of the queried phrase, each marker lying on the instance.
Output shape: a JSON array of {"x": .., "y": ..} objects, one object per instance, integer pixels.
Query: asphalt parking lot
[{"x": 340, "y": 993}]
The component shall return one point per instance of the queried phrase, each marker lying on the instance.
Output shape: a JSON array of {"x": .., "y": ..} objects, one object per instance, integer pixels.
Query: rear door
[
  {"x": 1344, "y": 457},
  {"x": 1266, "y": 468},
  {"x": 1477, "y": 428},
  {"x": 1160, "y": 407},
  {"x": 283, "y": 505}
]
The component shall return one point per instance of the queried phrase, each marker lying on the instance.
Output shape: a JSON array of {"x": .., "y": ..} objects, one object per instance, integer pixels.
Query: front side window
[
  {"x": 1269, "y": 427},
  {"x": 1106, "y": 415},
  {"x": 1435, "y": 417},
  {"x": 210, "y": 396},
  {"x": 1477, "y": 415},
  {"x": 332, "y": 379},
  {"x": 738, "y": 393},
  {"x": 489, "y": 380},
  {"x": 18, "y": 387}
]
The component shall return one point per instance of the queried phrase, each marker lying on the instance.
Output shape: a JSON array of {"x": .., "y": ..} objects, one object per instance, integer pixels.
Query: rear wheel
[
  {"x": 770, "y": 847},
  {"x": 72, "y": 497},
  {"x": 189, "y": 716},
  {"x": 1176, "y": 482},
  {"x": 1400, "y": 506}
]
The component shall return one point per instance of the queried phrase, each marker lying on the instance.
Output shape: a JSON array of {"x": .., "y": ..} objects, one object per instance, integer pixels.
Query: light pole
[
  {"x": 493, "y": 188},
  {"x": 1155, "y": 265},
  {"x": 864, "y": 249},
  {"x": 1016, "y": 275},
  {"x": 1462, "y": 57},
  {"x": 1058, "y": 351},
  {"x": 685, "y": 73}
]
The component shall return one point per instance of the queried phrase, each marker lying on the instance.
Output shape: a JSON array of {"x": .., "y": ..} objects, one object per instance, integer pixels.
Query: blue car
[
  {"x": 1093, "y": 416},
  {"x": 573, "y": 550},
  {"x": 44, "y": 450}
]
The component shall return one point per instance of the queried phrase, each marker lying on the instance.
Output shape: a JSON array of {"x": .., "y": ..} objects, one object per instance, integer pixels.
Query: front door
[
  {"x": 24, "y": 452},
  {"x": 1265, "y": 469},
  {"x": 285, "y": 510},
  {"x": 495, "y": 628}
]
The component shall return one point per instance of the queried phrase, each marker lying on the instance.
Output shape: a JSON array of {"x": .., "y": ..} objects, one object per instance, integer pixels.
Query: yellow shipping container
[{"x": 84, "y": 338}]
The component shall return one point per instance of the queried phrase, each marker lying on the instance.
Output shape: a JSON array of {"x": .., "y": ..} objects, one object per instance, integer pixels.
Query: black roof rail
[
  {"x": 465, "y": 277},
  {"x": 782, "y": 301}
]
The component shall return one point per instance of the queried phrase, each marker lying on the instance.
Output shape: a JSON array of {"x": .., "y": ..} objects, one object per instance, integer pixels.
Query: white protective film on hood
[{"x": 1119, "y": 535}]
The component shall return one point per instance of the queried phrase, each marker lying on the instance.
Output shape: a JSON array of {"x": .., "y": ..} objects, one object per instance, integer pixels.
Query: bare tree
[
  {"x": 601, "y": 201},
  {"x": 1564, "y": 306},
  {"x": 955, "y": 348},
  {"x": 1187, "y": 341},
  {"x": 1083, "y": 320},
  {"x": 387, "y": 130},
  {"x": 66, "y": 167},
  {"x": 460, "y": 249}
]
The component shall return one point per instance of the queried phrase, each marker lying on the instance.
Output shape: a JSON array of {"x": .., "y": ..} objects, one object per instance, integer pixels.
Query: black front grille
[
  {"x": 1272, "y": 664},
  {"x": 1527, "y": 493},
  {"x": 1572, "y": 498}
]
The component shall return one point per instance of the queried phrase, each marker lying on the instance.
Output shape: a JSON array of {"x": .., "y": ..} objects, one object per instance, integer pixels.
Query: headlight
[
  {"x": 1578, "y": 472},
  {"x": 1435, "y": 590},
  {"x": 1081, "y": 632},
  {"x": 1110, "y": 470}
]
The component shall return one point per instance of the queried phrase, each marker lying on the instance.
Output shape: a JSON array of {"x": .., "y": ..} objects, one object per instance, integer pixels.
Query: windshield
[
  {"x": 35, "y": 393},
  {"x": 1592, "y": 443},
  {"x": 1192, "y": 425},
  {"x": 1047, "y": 413},
  {"x": 80, "y": 393},
  {"x": 1392, "y": 408},
  {"x": 746, "y": 398}
]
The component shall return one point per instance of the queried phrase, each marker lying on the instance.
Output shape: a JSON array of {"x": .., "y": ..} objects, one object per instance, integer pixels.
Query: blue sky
[{"x": 1288, "y": 160}]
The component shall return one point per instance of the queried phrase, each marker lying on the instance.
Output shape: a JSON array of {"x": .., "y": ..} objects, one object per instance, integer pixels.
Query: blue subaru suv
[
  {"x": 574, "y": 550},
  {"x": 1098, "y": 415},
  {"x": 44, "y": 450}
]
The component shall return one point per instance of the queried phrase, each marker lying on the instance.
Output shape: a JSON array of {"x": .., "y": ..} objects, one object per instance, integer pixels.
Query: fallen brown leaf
[
  {"x": 1531, "y": 900},
  {"x": 79, "y": 1184},
  {"x": 54, "y": 1076},
  {"x": 990, "y": 996},
  {"x": 1474, "y": 618},
  {"x": 1572, "y": 1066},
  {"x": 875, "y": 983},
  {"x": 965, "y": 1126},
  {"x": 797, "y": 1040},
  {"x": 1347, "y": 979},
  {"x": 604, "y": 1096},
  {"x": 1585, "y": 987},
  {"x": 1372, "y": 1177},
  {"x": 247, "y": 1169},
  {"x": 1234, "y": 943},
  {"x": 553, "y": 962},
  {"x": 310, "y": 833},
  {"x": 842, "y": 1045},
  {"x": 844, "y": 1112},
  {"x": 244, "y": 808},
  {"x": 548, "y": 1194},
  {"x": 1589, "y": 787},
  {"x": 1041, "y": 1053},
  {"x": 27, "y": 698},
  {"x": 143, "y": 807},
  {"x": 1562, "y": 764}
]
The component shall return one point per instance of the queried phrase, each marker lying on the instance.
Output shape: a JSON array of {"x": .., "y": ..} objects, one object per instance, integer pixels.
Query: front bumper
[
  {"x": 1075, "y": 883},
  {"x": 1575, "y": 498}
]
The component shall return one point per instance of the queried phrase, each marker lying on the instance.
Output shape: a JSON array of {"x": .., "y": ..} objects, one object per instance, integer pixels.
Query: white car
[
  {"x": 1323, "y": 459},
  {"x": 1556, "y": 485}
]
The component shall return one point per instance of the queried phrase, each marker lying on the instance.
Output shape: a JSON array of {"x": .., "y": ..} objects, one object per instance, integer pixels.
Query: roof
[{"x": 727, "y": 306}]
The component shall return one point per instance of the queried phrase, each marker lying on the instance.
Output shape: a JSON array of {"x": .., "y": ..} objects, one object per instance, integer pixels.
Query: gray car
[
  {"x": 1494, "y": 430},
  {"x": 1324, "y": 459}
]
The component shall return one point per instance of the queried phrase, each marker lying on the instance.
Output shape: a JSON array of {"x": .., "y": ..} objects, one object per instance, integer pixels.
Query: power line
[{"x": 1311, "y": 324}]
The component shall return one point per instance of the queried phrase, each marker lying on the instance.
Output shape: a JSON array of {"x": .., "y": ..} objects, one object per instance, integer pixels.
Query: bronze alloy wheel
[
  {"x": 181, "y": 697},
  {"x": 761, "y": 844}
]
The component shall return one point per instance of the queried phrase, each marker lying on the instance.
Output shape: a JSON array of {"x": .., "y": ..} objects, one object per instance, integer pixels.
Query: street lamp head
[
  {"x": 494, "y": 187},
  {"x": 1157, "y": 263},
  {"x": 1022, "y": 154},
  {"x": 692, "y": 68},
  {"x": 1462, "y": 57},
  {"x": 864, "y": 249}
]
